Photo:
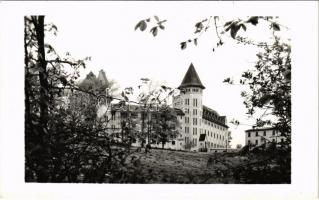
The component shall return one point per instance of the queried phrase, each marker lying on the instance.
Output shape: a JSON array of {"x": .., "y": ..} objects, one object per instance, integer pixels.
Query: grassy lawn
[{"x": 166, "y": 166}]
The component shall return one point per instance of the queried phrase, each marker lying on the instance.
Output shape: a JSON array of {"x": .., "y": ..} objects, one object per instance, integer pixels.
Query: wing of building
[{"x": 261, "y": 136}]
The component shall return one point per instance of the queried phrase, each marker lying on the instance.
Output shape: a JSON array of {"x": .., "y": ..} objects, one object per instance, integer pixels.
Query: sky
[{"x": 126, "y": 55}]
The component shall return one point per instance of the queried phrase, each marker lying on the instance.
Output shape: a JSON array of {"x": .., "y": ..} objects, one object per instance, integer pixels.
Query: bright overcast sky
[{"x": 108, "y": 36}]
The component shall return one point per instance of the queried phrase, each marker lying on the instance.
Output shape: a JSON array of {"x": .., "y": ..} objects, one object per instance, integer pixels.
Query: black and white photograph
[{"x": 157, "y": 93}]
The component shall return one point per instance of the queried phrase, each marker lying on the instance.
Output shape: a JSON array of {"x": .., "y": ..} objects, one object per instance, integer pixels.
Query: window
[
  {"x": 282, "y": 140},
  {"x": 264, "y": 133},
  {"x": 273, "y": 140},
  {"x": 248, "y": 141},
  {"x": 194, "y": 131},
  {"x": 173, "y": 142},
  {"x": 186, "y": 101},
  {"x": 186, "y": 129},
  {"x": 273, "y": 132},
  {"x": 256, "y": 142},
  {"x": 256, "y": 133},
  {"x": 194, "y": 121},
  {"x": 248, "y": 134}
]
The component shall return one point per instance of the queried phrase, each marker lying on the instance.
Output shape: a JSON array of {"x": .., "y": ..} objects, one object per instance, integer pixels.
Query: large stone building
[{"x": 202, "y": 128}]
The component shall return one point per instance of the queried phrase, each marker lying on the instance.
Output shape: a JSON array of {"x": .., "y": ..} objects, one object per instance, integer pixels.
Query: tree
[
  {"x": 43, "y": 80},
  {"x": 64, "y": 139},
  {"x": 270, "y": 87},
  {"x": 166, "y": 125}
]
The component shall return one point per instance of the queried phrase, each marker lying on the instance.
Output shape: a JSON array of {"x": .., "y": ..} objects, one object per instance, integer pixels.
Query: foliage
[
  {"x": 157, "y": 24},
  {"x": 65, "y": 141},
  {"x": 158, "y": 117},
  {"x": 270, "y": 87},
  {"x": 45, "y": 80}
]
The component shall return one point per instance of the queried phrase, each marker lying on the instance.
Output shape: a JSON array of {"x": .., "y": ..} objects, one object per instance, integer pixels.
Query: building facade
[
  {"x": 262, "y": 136},
  {"x": 202, "y": 128}
]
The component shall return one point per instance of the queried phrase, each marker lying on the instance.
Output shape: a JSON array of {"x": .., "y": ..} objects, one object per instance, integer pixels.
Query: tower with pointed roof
[
  {"x": 201, "y": 127},
  {"x": 190, "y": 101}
]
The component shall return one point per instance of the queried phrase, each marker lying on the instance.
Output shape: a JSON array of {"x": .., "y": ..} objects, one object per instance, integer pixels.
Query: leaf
[
  {"x": 234, "y": 31},
  {"x": 195, "y": 41},
  {"x": 183, "y": 45},
  {"x": 243, "y": 26},
  {"x": 148, "y": 20},
  {"x": 275, "y": 26},
  {"x": 229, "y": 27},
  {"x": 154, "y": 31},
  {"x": 137, "y": 25},
  {"x": 143, "y": 25},
  {"x": 253, "y": 20},
  {"x": 157, "y": 19},
  {"x": 162, "y": 27},
  {"x": 199, "y": 25}
]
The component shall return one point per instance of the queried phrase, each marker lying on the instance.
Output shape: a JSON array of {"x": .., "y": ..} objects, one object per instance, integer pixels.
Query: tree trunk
[
  {"x": 44, "y": 98},
  {"x": 43, "y": 76}
]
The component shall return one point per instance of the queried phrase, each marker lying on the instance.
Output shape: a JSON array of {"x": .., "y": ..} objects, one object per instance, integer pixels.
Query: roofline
[
  {"x": 190, "y": 85},
  {"x": 261, "y": 129}
]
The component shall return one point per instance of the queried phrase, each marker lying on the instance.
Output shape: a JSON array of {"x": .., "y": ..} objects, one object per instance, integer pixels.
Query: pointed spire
[
  {"x": 191, "y": 79},
  {"x": 102, "y": 77}
]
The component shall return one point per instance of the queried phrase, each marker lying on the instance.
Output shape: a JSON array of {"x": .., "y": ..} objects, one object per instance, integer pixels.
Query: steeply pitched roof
[{"x": 191, "y": 79}]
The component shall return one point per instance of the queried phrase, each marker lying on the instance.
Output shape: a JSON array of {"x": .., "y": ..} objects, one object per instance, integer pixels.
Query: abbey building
[{"x": 199, "y": 127}]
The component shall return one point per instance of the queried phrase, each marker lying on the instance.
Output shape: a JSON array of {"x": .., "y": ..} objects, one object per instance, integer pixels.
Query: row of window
[
  {"x": 194, "y": 90},
  {"x": 211, "y": 124},
  {"x": 212, "y": 145},
  {"x": 195, "y": 102},
  {"x": 264, "y": 133},
  {"x": 195, "y": 121},
  {"x": 263, "y": 141},
  {"x": 209, "y": 144},
  {"x": 215, "y": 135}
]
